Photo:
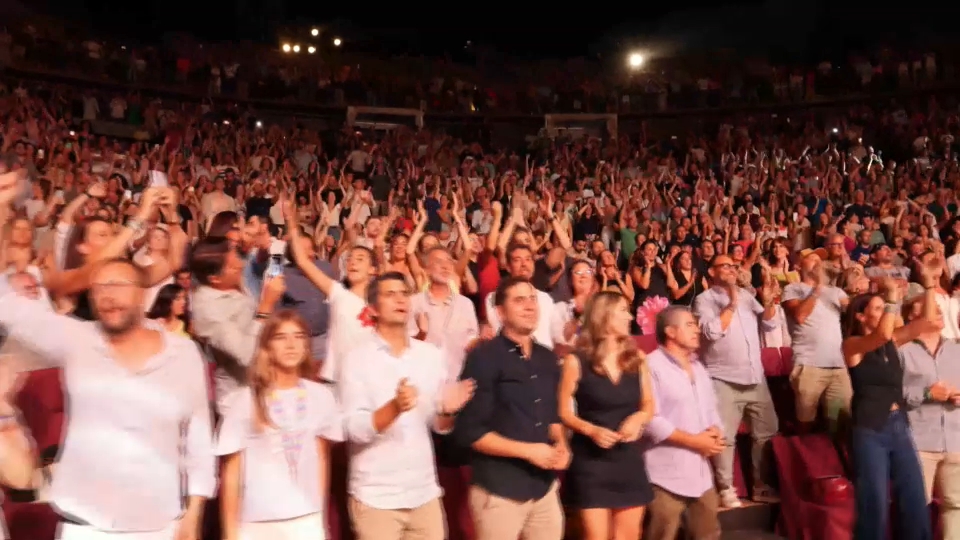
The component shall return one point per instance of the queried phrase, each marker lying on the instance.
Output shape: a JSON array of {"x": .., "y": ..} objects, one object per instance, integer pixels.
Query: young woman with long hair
[
  {"x": 170, "y": 309},
  {"x": 275, "y": 441},
  {"x": 607, "y": 379},
  {"x": 883, "y": 450}
]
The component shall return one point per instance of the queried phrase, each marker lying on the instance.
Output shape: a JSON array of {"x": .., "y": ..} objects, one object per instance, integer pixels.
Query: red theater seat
[
  {"x": 30, "y": 521},
  {"x": 455, "y": 482},
  {"x": 42, "y": 404},
  {"x": 777, "y": 365},
  {"x": 817, "y": 500},
  {"x": 647, "y": 343},
  {"x": 772, "y": 361}
]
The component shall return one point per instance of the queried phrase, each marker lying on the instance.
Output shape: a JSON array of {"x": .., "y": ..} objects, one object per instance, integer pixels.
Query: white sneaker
[{"x": 729, "y": 498}]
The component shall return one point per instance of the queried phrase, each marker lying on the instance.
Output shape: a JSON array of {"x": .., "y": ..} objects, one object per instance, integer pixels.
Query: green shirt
[{"x": 628, "y": 242}]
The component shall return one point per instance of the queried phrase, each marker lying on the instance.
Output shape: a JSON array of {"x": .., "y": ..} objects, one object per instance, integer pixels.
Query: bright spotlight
[
  {"x": 296, "y": 48},
  {"x": 337, "y": 42},
  {"x": 315, "y": 32},
  {"x": 635, "y": 60},
  {"x": 286, "y": 47},
  {"x": 311, "y": 49},
  {"x": 259, "y": 124}
]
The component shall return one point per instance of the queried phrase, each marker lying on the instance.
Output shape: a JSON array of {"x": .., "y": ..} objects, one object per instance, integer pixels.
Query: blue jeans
[{"x": 882, "y": 457}]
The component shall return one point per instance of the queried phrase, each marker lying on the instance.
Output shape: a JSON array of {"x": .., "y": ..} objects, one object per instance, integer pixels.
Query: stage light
[
  {"x": 315, "y": 32},
  {"x": 286, "y": 47},
  {"x": 296, "y": 48},
  {"x": 337, "y": 42},
  {"x": 311, "y": 49},
  {"x": 635, "y": 60}
]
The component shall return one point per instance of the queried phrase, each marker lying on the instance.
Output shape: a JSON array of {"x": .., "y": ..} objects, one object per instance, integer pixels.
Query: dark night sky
[{"x": 518, "y": 28}]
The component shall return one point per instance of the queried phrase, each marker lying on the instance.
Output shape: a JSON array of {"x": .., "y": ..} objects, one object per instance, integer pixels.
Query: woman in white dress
[{"x": 275, "y": 441}]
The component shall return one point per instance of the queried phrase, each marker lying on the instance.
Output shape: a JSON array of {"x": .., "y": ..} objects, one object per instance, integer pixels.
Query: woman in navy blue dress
[{"x": 606, "y": 400}]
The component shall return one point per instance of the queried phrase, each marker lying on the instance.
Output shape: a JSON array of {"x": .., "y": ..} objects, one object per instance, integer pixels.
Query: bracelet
[
  {"x": 261, "y": 315},
  {"x": 890, "y": 308},
  {"x": 927, "y": 396}
]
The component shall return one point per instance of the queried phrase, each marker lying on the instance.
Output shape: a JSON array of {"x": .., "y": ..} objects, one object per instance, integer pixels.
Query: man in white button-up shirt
[
  {"x": 520, "y": 263},
  {"x": 393, "y": 391},
  {"x": 134, "y": 391}
]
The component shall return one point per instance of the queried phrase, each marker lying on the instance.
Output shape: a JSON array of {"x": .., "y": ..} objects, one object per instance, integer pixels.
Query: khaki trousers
[
  {"x": 942, "y": 469},
  {"x": 426, "y": 522},
  {"x": 666, "y": 515},
  {"x": 499, "y": 518},
  {"x": 736, "y": 402},
  {"x": 815, "y": 385}
]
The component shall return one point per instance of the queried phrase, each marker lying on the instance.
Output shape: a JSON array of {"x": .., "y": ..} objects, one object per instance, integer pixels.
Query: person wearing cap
[
  {"x": 881, "y": 266},
  {"x": 931, "y": 390},
  {"x": 819, "y": 374}
]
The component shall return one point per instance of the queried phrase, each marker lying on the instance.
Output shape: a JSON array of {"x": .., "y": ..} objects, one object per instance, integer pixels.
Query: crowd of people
[
  {"x": 431, "y": 303},
  {"x": 336, "y": 76}
]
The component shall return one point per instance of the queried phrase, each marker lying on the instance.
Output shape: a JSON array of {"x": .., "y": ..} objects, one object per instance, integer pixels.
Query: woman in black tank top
[{"x": 883, "y": 450}]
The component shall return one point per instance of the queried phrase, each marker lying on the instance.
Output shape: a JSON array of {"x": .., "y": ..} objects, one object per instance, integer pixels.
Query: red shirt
[{"x": 488, "y": 277}]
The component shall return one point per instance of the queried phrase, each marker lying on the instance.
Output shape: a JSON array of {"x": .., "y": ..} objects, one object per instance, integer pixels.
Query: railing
[{"x": 506, "y": 129}]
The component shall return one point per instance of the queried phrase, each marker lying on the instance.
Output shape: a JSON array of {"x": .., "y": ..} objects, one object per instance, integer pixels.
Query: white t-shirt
[
  {"x": 545, "y": 322},
  {"x": 358, "y": 161},
  {"x": 270, "y": 491},
  {"x": 345, "y": 331}
]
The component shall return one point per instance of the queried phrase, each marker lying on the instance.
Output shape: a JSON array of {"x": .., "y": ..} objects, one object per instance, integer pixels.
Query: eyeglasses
[
  {"x": 725, "y": 266},
  {"x": 581, "y": 273},
  {"x": 113, "y": 286}
]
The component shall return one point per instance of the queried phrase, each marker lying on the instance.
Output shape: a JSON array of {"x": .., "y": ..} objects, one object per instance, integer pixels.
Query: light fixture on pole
[
  {"x": 286, "y": 47},
  {"x": 315, "y": 32},
  {"x": 296, "y": 48},
  {"x": 311, "y": 49}
]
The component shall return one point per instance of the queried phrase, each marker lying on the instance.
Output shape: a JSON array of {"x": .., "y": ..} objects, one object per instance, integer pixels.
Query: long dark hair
[
  {"x": 221, "y": 224},
  {"x": 163, "y": 305},
  {"x": 851, "y": 324}
]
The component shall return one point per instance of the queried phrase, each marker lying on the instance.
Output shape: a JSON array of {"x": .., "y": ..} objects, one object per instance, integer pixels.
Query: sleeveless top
[{"x": 877, "y": 385}]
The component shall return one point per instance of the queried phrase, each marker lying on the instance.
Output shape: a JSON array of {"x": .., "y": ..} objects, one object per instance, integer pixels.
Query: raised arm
[{"x": 309, "y": 269}]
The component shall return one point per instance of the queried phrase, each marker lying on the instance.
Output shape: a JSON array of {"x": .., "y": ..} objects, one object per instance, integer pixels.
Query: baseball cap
[{"x": 819, "y": 252}]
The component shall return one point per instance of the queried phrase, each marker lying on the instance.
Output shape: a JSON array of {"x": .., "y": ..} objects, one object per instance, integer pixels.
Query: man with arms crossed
[{"x": 513, "y": 425}]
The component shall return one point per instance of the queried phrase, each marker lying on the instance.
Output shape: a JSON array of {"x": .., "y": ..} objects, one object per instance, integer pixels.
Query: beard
[{"x": 127, "y": 322}]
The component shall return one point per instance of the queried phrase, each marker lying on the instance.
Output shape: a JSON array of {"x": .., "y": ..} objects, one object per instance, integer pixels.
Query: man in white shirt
[
  {"x": 520, "y": 264},
  {"x": 130, "y": 382},
  {"x": 393, "y": 391}
]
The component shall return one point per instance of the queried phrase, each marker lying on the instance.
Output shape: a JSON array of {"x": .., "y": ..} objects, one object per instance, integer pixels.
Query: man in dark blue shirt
[{"x": 512, "y": 425}]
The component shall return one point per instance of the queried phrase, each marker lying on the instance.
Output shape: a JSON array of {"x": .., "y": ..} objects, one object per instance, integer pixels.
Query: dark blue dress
[{"x": 615, "y": 477}]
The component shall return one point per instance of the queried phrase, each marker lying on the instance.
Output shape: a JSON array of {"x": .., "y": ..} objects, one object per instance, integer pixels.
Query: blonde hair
[
  {"x": 261, "y": 374},
  {"x": 592, "y": 344}
]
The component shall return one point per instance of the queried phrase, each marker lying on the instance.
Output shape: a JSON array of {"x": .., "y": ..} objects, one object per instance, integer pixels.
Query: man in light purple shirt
[
  {"x": 730, "y": 320},
  {"x": 684, "y": 433}
]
